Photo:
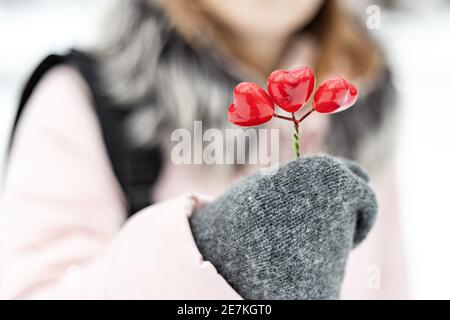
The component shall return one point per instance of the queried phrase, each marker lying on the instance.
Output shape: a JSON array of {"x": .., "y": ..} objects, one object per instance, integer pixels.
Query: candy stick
[
  {"x": 295, "y": 142},
  {"x": 296, "y": 122}
]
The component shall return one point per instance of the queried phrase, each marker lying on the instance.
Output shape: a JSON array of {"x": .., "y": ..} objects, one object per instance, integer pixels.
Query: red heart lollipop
[
  {"x": 251, "y": 106},
  {"x": 290, "y": 89},
  {"x": 335, "y": 95}
]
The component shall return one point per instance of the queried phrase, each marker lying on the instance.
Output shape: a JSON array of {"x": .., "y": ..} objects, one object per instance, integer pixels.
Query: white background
[{"x": 417, "y": 40}]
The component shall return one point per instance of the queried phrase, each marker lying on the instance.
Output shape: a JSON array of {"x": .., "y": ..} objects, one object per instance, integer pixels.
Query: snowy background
[{"x": 416, "y": 36}]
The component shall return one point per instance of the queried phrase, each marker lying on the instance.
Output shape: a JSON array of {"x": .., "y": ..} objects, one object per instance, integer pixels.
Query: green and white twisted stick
[{"x": 295, "y": 143}]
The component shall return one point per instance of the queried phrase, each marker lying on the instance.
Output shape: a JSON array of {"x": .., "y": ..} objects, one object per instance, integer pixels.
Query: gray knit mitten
[{"x": 288, "y": 235}]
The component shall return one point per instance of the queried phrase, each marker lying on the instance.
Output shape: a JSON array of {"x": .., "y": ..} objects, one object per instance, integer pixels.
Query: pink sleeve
[
  {"x": 62, "y": 214},
  {"x": 61, "y": 203}
]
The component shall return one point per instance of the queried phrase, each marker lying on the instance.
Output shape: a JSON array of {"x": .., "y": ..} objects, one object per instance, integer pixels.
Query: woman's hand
[{"x": 288, "y": 235}]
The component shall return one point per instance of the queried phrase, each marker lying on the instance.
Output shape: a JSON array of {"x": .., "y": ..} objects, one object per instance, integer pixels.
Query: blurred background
[{"x": 416, "y": 37}]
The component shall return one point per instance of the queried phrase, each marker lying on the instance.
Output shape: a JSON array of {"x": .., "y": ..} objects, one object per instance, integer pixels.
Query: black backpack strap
[{"x": 136, "y": 170}]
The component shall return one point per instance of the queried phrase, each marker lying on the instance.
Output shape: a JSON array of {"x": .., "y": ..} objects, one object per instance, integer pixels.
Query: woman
[{"x": 90, "y": 145}]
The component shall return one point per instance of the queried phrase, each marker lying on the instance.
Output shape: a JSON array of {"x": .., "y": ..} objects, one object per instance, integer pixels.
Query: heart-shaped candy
[
  {"x": 251, "y": 106},
  {"x": 290, "y": 89},
  {"x": 335, "y": 95}
]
